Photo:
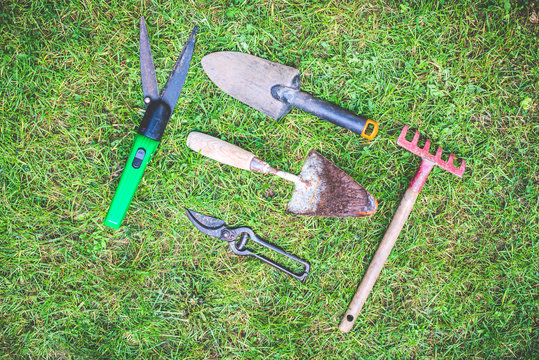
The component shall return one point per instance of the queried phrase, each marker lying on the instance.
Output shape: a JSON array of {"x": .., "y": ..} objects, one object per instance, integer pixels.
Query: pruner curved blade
[{"x": 206, "y": 224}]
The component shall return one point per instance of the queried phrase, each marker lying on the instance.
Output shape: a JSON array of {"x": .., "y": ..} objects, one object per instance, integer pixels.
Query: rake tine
[
  {"x": 462, "y": 166},
  {"x": 451, "y": 159},
  {"x": 416, "y": 138},
  {"x": 439, "y": 154},
  {"x": 402, "y": 136},
  {"x": 427, "y": 146}
]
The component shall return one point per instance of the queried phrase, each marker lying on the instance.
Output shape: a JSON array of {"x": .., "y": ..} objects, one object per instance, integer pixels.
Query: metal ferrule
[
  {"x": 264, "y": 168},
  {"x": 421, "y": 176},
  {"x": 284, "y": 93}
]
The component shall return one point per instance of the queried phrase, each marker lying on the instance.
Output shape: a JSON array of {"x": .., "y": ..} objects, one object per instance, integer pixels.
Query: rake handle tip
[{"x": 378, "y": 261}]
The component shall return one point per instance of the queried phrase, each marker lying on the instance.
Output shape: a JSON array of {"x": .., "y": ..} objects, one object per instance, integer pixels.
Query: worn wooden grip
[
  {"x": 378, "y": 261},
  {"x": 220, "y": 150}
]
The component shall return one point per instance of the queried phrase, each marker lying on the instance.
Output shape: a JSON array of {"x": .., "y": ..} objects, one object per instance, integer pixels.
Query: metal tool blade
[
  {"x": 206, "y": 224},
  {"x": 249, "y": 79},
  {"x": 173, "y": 87},
  {"x": 329, "y": 191},
  {"x": 150, "y": 90}
]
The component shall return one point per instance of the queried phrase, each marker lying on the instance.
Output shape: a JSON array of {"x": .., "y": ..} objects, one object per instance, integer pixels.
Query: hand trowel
[
  {"x": 274, "y": 89},
  {"x": 321, "y": 189}
]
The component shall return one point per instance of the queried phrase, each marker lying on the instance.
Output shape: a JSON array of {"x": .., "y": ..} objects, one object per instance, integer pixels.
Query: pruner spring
[{"x": 238, "y": 238}]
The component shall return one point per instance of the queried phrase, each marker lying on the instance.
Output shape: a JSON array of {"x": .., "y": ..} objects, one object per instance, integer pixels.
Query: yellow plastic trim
[{"x": 374, "y": 131}]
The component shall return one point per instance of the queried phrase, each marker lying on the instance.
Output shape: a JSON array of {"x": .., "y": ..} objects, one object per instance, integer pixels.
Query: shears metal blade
[
  {"x": 150, "y": 89},
  {"x": 174, "y": 85}
]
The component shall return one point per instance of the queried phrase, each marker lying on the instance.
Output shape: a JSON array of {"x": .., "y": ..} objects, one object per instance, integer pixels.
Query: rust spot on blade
[{"x": 329, "y": 191}]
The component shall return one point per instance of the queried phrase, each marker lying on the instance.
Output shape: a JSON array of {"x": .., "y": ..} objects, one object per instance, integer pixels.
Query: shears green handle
[{"x": 140, "y": 155}]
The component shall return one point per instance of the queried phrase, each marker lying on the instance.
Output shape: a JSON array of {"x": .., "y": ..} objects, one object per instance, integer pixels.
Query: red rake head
[{"x": 425, "y": 155}]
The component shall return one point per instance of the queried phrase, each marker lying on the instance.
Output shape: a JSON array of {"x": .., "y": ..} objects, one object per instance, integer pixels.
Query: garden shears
[
  {"x": 159, "y": 108},
  {"x": 238, "y": 238}
]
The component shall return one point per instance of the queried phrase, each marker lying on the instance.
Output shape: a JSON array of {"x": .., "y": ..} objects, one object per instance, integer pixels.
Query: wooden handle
[
  {"x": 220, "y": 150},
  {"x": 378, "y": 261}
]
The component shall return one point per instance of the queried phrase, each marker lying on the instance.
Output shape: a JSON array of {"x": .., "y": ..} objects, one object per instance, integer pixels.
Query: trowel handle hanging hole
[
  {"x": 350, "y": 317},
  {"x": 370, "y": 130}
]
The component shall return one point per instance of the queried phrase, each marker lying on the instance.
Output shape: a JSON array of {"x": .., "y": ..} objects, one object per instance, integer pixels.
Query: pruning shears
[
  {"x": 159, "y": 108},
  {"x": 238, "y": 238}
]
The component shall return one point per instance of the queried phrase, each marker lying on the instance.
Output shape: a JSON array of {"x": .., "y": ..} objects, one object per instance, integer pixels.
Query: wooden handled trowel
[
  {"x": 274, "y": 88},
  {"x": 321, "y": 189}
]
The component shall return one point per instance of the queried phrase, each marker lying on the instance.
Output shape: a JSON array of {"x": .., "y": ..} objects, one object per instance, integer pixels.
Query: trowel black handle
[{"x": 325, "y": 110}]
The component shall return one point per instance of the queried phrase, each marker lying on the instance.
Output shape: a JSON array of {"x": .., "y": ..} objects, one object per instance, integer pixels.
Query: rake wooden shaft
[{"x": 400, "y": 217}]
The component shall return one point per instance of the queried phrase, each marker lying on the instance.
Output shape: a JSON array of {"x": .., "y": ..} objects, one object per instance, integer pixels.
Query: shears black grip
[{"x": 155, "y": 120}]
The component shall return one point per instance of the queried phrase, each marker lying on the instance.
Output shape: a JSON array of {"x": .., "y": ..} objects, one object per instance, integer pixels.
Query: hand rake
[{"x": 400, "y": 217}]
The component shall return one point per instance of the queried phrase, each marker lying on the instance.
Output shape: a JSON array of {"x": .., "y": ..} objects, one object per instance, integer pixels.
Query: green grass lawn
[{"x": 462, "y": 279}]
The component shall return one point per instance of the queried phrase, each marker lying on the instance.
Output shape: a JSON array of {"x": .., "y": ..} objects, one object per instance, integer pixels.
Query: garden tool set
[{"x": 320, "y": 189}]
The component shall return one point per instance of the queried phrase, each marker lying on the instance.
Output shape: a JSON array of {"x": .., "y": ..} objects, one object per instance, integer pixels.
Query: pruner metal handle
[{"x": 239, "y": 243}]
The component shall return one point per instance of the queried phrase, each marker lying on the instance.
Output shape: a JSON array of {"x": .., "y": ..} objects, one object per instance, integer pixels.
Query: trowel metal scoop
[
  {"x": 274, "y": 89},
  {"x": 321, "y": 189}
]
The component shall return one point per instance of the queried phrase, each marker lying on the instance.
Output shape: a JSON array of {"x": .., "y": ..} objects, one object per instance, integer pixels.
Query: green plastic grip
[{"x": 143, "y": 149}]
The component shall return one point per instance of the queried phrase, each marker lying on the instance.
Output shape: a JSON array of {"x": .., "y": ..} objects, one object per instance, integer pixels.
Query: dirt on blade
[{"x": 330, "y": 191}]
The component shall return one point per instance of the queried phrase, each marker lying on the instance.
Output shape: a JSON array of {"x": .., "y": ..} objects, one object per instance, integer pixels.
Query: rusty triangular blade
[{"x": 329, "y": 191}]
